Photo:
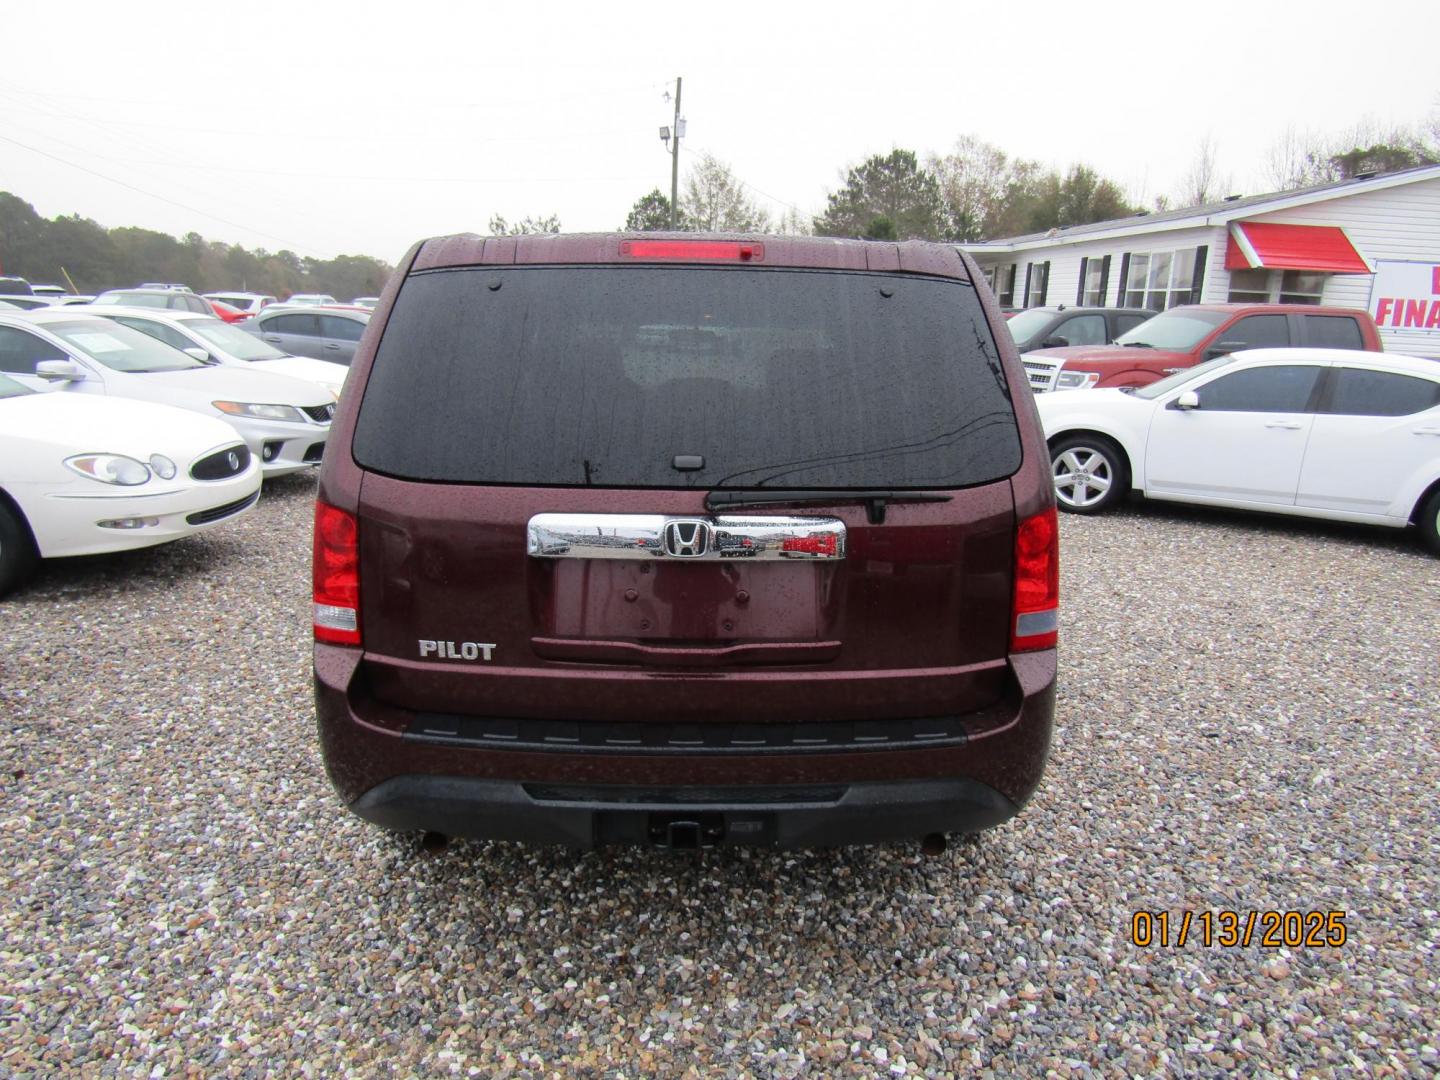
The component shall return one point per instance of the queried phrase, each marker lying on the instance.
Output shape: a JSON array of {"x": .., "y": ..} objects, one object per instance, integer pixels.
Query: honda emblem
[{"x": 688, "y": 539}]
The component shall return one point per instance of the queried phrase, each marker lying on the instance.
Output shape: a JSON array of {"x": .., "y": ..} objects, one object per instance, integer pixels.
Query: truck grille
[
  {"x": 223, "y": 464},
  {"x": 215, "y": 513},
  {"x": 1041, "y": 373}
]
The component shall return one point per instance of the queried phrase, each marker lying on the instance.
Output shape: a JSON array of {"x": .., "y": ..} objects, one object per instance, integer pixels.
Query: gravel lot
[{"x": 1247, "y": 721}]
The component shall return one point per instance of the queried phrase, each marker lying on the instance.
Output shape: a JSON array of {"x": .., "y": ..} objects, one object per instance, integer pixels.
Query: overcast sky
[{"x": 359, "y": 128}]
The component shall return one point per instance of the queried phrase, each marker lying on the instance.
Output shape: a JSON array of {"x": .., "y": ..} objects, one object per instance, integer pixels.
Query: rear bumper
[
  {"x": 781, "y": 796},
  {"x": 821, "y": 816}
]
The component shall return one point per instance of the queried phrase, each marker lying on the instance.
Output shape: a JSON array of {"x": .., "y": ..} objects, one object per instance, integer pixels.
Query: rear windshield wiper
[
  {"x": 874, "y": 500},
  {"x": 1138, "y": 345}
]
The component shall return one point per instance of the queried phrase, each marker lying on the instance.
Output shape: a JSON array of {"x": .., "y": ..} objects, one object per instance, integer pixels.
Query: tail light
[
  {"x": 337, "y": 576},
  {"x": 1037, "y": 584},
  {"x": 819, "y": 544}
]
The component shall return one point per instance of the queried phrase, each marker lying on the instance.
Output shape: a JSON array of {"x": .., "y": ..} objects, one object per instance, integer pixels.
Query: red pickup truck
[{"x": 1185, "y": 336}]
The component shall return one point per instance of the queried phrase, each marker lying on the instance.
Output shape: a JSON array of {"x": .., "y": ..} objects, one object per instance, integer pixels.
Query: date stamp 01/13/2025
[{"x": 1238, "y": 929}]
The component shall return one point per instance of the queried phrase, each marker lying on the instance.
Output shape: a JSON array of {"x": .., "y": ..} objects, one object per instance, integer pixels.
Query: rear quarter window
[
  {"x": 1380, "y": 393},
  {"x": 573, "y": 376},
  {"x": 340, "y": 328},
  {"x": 304, "y": 325}
]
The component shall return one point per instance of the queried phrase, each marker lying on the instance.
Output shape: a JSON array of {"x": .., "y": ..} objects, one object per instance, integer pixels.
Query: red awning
[{"x": 1321, "y": 248}]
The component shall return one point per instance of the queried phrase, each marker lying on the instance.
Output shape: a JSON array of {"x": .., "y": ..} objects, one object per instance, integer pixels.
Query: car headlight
[
  {"x": 1077, "y": 380},
  {"x": 162, "y": 466},
  {"x": 260, "y": 412},
  {"x": 110, "y": 468}
]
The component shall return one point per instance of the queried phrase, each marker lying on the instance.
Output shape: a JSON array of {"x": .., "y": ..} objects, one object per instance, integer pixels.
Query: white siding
[
  {"x": 1065, "y": 262},
  {"x": 1401, "y": 223}
]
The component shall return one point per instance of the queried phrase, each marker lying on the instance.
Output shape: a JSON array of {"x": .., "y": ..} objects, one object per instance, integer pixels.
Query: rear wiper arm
[{"x": 874, "y": 500}]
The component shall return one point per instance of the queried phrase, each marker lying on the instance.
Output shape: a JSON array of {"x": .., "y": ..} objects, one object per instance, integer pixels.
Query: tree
[
  {"x": 1202, "y": 182},
  {"x": 974, "y": 181},
  {"x": 22, "y": 235},
  {"x": 97, "y": 258},
  {"x": 525, "y": 226},
  {"x": 1299, "y": 160},
  {"x": 793, "y": 223},
  {"x": 1080, "y": 198},
  {"x": 894, "y": 187},
  {"x": 880, "y": 228},
  {"x": 1382, "y": 157},
  {"x": 714, "y": 200},
  {"x": 651, "y": 213},
  {"x": 82, "y": 249},
  {"x": 1012, "y": 214}
]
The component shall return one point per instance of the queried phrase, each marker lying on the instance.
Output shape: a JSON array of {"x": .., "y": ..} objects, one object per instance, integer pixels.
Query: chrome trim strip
[{"x": 689, "y": 538}]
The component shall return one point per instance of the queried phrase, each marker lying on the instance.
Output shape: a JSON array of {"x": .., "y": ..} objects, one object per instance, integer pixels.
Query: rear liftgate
[{"x": 705, "y": 620}]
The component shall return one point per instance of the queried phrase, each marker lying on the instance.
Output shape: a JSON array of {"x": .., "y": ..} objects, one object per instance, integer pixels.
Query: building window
[
  {"x": 1259, "y": 287},
  {"x": 1301, "y": 287},
  {"x": 1094, "y": 280},
  {"x": 1002, "y": 283},
  {"x": 1249, "y": 287},
  {"x": 1160, "y": 279},
  {"x": 1037, "y": 281}
]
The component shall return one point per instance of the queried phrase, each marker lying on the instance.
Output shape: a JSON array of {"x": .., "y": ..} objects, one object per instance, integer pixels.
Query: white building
[{"x": 1372, "y": 242}]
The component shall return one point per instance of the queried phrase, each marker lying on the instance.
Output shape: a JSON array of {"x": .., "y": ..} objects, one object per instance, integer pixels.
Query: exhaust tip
[
  {"x": 432, "y": 843},
  {"x": 933, "y": 845}
]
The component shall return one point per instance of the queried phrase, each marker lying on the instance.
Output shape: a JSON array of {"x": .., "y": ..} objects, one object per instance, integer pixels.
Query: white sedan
[
  {"x": 285, "y": 421},
  {"x": 1323, "y": 433},
  {"x": 212, "y": 341},
  {"x": 81, "y": 475}
]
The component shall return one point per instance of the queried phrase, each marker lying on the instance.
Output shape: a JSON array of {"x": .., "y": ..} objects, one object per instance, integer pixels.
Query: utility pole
[{"x": 675, "y": 158}]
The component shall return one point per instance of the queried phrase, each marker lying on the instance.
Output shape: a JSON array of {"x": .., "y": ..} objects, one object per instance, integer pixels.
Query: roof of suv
[{"x": 818, "y": 252}]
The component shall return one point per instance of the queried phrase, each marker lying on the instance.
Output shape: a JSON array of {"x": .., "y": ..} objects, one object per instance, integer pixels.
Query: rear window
[{"x": 570, "y": 376}]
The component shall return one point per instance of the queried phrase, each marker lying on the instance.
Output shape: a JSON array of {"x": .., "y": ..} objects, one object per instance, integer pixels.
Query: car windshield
[
  {"x": 233, "y": 340},
  {"x": 1173, "y": 330},
  {"x": 1027, "y": 324},
  {"x": 1180, "y": 378},
  {"x": 10, "y": 388},
  {"x": 120, "y": 348},
  {"x": 782, "y": 378}
]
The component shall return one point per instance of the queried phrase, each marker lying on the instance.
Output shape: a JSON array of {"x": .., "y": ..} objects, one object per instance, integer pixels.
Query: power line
[
  {"x": 10, "y": 90},
  {"x": 151, "y": 194},
  {"x": 746, "y": 184}
]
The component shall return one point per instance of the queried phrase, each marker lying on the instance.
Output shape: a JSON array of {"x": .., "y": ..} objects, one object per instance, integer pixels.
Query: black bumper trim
[
  {"x": 863, "y": 813},
  {"x": 650, "y": 737},
  {"x": 219, "y": 513}
]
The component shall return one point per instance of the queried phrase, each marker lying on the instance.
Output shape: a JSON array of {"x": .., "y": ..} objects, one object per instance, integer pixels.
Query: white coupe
[
  {"x": 1322, "y": 433},
  {"x": 81, "y": 475},
  {"x": 285, "y": 421}
]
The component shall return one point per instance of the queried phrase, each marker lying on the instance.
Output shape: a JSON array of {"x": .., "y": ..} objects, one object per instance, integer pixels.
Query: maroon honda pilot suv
[{"x": 685, "y": 541}]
